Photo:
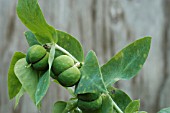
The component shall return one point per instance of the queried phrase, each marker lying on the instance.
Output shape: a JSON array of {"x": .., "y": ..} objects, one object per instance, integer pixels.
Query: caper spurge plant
[{"x": 56, "y": 56}]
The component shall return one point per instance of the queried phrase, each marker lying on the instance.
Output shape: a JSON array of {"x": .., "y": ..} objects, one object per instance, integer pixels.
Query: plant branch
[
  {"x": 77, "y": 65},
  {"x": 116, "y": 107},
  {"x": 66, "y": 52}
]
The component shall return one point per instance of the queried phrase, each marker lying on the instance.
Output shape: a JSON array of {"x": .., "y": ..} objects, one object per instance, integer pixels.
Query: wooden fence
[{"x": 104, "y": 26}]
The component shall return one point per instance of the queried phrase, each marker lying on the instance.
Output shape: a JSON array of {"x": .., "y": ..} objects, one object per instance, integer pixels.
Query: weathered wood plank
[
  {"x": 105, "y": 26},
  {"x": 141, "y": 19},
  {"x": 164, "y": 101}
]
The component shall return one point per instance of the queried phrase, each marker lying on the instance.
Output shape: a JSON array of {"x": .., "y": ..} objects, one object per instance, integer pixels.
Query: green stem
[
  {"x": 116, "y": 107},
  {"x": 77, "y": 65},
  {"x": 27, "y": 66},
  {"x": 66, "y": 52}
]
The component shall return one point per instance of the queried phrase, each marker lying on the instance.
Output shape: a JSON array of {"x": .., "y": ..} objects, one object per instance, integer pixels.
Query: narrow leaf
[
  {"x": 76, "y": 111},
  {"x": 14, "y": 84},
  {"x": 51, "y": 57},
  {"x": 27, "y": 76},
  {"x": 31, "y": 39},
  {"x": 165, "y": 110},
  {"x": 71, "y": 44},
  {"x": 59, "y": 107},
  {"x": 140, "y": 112},
  {"x": 71, "y": 105},
  {"x": 91, "y": 79},
  {"x": 31, "y": 15},
  {"x": 119, "y": 97},
  {"x": 107, "y": 105},
  {"x": 133, "y": 106},
  {"x": 126, "y": 63},
  {"x": 42, "y": 87},
  {"x": 19, "y": 95}
]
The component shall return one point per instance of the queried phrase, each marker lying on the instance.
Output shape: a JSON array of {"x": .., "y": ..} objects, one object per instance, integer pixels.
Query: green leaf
[
  {"x": 119, "y": 97},
  {"x": 71, "y": 105},
  {"x": 51, "y": 57},
  {"x": 107, "y": 105},
  {"x": 126, "y": 63},
  {"x": 14, "y": 84},
  {"x": 31, "y": 15},
  {"x": 70, "y": 44},
  {"x": 59, "y": 107},
  {"x": 31, "y": 39},
  {"x": 114, "y": 111},
  {"x": 65, "y": 107},
  {"x": 165, "y": 110},
  {"x": 91, "y": 80},
  {"x": 44, "y": 81},
  {"x": 133, "y": 106},
  {"x": 76, "y": 111},
  {"x": 140, "y": 112},
  {"x": 42, "y": 87},
  {"x": 19, "y": 95},
  {"x": 27, "y": 76}
]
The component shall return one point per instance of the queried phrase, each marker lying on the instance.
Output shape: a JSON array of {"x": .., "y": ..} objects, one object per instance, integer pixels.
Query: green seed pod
[
  {"x": 90, "y": 106},
  {"x": 42, "y": 64},
  {"x": 37, "y": 56},
  {"x": 69, "y": 77},
  {"x": 88, "y": 96},
  {"x": 35, "y": 53},
  {"x": 61, "y": 64}
]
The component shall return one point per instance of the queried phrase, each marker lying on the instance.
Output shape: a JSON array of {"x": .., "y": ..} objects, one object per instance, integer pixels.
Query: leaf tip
[
  {"x": 91, "y": 52},
  {"x": 149, "y": 38},
  {"x": 37, "y": 102}
]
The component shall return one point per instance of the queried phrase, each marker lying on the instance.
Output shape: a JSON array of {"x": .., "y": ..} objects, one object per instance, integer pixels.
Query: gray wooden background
[{"x": 105, "y": 26}]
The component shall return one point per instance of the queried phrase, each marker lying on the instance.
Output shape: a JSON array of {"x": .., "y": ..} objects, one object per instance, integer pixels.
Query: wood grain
[{"x": 104, "y": 26}]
